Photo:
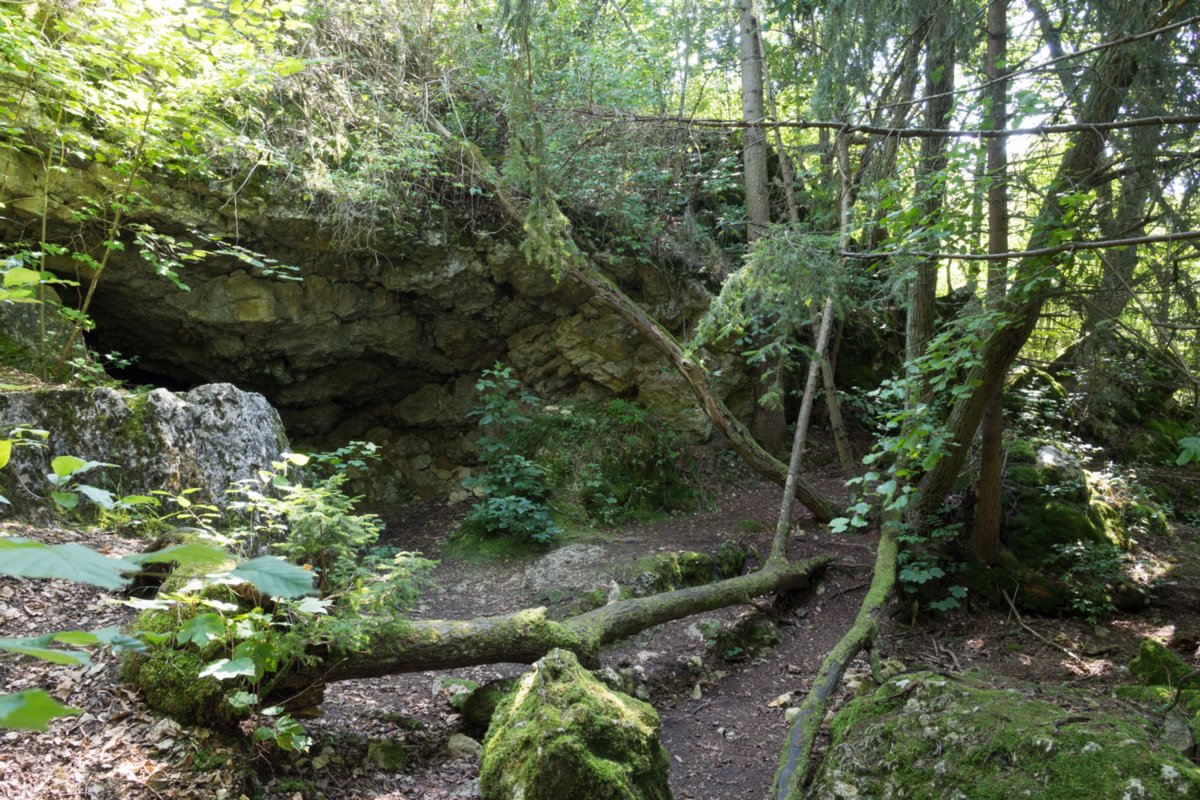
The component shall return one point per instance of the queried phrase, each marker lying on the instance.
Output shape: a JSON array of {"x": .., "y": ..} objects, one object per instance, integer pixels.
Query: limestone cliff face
[{"x": 383, "y": 345}]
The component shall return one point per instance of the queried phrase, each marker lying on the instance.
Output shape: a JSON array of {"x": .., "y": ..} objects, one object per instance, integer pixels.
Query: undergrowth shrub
[
  {"x": 608, "y": 461},
  {"x": 583, "y": 463},
  {"x": 512, "y": 489}
]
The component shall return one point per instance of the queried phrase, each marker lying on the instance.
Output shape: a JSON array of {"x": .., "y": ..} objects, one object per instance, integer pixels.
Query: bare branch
[
  {"x": 901, "y": 133},
  {"x": 1069, "y": 247}
]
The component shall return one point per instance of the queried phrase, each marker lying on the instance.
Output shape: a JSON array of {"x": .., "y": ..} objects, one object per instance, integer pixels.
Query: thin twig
[{"x": 1021, "y": 622}]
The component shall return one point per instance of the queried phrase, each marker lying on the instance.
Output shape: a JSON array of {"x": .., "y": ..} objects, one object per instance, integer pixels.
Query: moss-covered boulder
[
  {"x": 564, "y": 734},
  {"x": 1184, "y": 704},
  {"x": 1068, "y": 530},
  {"x": 1164, "y": 676},
  {"x": 1155, "y": 664},
  {"x": 927, "y": 737},
  {"x": 665, "y": 572}
]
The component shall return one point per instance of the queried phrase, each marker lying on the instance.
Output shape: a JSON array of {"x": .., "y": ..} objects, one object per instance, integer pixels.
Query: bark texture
[{"x": 387, "y": 646}]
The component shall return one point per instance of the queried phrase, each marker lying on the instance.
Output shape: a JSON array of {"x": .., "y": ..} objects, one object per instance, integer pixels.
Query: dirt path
[{"x": 719, "y": 720}]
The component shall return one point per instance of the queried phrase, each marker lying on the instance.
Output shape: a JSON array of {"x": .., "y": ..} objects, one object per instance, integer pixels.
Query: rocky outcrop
[
  {"x": 208, "y": 438},
  {"x": 384, "y": 344},
  {"x": 926, "y": 735}
]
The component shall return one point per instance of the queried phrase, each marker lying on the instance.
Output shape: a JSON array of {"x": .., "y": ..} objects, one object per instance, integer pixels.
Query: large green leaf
[
  {"x": 190, "y": 553},
  {"x": 201, "y": 629},
  {"x": 109, "y": 637},
  {"x": 223, "y": 669},
  {"x": 101, "y": 497},
  {"x": 68, "y": 466},
  {"x": 39, "y": 646},
  {"x": 35, "y": 648},
  {"x": 31, "y": 710},
  {"x": 26, "y": 558},
  {"x": 275, "y": 577}
]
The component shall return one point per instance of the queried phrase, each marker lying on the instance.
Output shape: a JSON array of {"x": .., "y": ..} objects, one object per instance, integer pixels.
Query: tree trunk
[
  {"x": 836, "y": 426},
  {"x": 794, "y": 764},
  {"x": 754, "y": 138},
  {"x": 922, "y": 294},
  {"x": 388, "y": 646},
  {"x": 985, "y": 534},
  {"x": 1033, "y": 279},
  {"x": 767, "y": 416}
]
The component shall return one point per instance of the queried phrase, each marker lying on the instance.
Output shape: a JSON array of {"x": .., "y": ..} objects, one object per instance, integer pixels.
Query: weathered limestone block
[{"x": 208, "y": 438}]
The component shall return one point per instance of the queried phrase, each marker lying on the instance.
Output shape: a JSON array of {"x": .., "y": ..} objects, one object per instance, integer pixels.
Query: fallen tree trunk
[{"x": 386, "y": 646}]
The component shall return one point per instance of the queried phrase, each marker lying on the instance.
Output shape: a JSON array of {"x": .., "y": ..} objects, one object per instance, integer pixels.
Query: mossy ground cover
[{"x": 924, "y": 736}]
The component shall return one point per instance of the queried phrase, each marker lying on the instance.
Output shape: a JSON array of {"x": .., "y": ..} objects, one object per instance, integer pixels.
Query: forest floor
[{"x": 722, "y": 715}]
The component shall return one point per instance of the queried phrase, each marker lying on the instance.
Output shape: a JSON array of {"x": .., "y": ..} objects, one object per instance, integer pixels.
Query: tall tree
[
  {"x": 985, "y": 534},
  {"x": 767, "y": 421}
]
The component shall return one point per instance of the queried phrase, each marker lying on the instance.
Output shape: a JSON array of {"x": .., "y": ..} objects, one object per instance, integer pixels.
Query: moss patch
[
  {"x": 1156, "y": 699},
  {"x": 563, "y": 734},
  {"x": 927, "y": 736},
  {"x": 1155, "y": 664},
  {"x": 168, "y": 678},
  {"x": 665, "y": 572}
]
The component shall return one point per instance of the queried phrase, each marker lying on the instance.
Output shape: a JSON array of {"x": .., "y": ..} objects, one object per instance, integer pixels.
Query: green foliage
[
  {"x": 512, "y": 488},
  {"x": 1092, "y": 573},
  {"x": 26, "y": 558},
  {"x": 31, "y": 710},
  {"x": 590, "y": 463},
  {"x": 763, "y": 304},
  {"x": 1189, "y": 452},
  {"x": 127, "y": 89},
  {"x": 607, "y": 461}
]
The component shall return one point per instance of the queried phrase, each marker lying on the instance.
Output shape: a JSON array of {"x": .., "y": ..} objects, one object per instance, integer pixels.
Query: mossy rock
[
  {"x": 478, "y": 707},
  {"x": 388, "y": 755},
  {"x": 1021, "y": 451},
  {"x": 749, "y": 635},
  {"x": 1035, "y": 529},
  {"x": 1050, "y": 470},
  {"x": 1155, "y": 699},
  {"x": 927, "y": 737},
  {"x": 1158, "y": 440},
  {"x": 1155, "y": 664},
  {"x": 168, "y": 677},
  {"x": 1035, "y": 395},
  {"x": 665, "y": 572},
  {"x": 564, "y": 734}
]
